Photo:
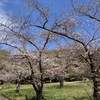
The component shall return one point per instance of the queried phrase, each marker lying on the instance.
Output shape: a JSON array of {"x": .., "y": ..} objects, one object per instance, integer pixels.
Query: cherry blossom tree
[
  {"x": 20, "y": 38},
  {"x": 3, "y": 56},
  {"x": 60, "y": 62},
  {"x": 81, "y": 26},
  {"x": 13, "y": 71}
]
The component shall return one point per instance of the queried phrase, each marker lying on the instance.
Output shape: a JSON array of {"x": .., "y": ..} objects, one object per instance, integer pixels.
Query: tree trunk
[
  {"x": 39, "y": 95},
  {"x": 26, "y": 97},
  {"x": 7, "y": 84},
  {"x": 39, "y": 90},
  {"x": 18, "y": 88},
  {"x": 95, "y": 70},
  {"x": 96, "y": 85},
  {"x": 61, "y": 82}
]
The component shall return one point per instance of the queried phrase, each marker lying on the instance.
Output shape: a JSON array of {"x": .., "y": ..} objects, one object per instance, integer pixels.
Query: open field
[{"x": 71, "y": 91}]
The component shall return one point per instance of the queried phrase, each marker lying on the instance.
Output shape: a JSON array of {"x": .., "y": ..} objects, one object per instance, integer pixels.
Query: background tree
[
  {"x": 61, "y": 61},
  {"x": 3, "y": 56}
]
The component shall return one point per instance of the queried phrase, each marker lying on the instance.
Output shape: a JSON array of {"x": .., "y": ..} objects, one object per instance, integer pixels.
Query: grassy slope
[{"x": 71, "y": 91}]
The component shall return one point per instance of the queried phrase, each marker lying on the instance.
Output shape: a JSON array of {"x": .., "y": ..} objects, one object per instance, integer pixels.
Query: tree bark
[
  {"x": 61, "y": 82},
  {"x": 18, "y": 88},
  {"x": 38, "y": 88},
  {"x": 39, "y": 95},
  {"x": 39, "y": 91},
  {"x": 96, "y": 86},
  {"x": 95, "y": 77}
]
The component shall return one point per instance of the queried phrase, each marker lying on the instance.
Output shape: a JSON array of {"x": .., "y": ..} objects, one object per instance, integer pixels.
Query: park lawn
[{"x": 72, "y": 91}]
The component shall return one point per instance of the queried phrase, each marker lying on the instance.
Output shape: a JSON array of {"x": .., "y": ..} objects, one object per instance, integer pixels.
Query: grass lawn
[{"x": 71, "y": 91}]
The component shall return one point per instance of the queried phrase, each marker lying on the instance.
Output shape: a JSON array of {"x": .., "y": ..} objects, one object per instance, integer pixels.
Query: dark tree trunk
[
  {"x": 37, "y": 85},
  {"x": 61, "y": 80},
  {"x": 95, "y": 70},
  {"x": 39, "y": 95},
  {"x": 18, "y": 88},
  {"x": 26, "y": 97},
  {"x": 39, "y": 90},
  {"x": 18, "y": 83},
  {"x": 96, "y": 86}
]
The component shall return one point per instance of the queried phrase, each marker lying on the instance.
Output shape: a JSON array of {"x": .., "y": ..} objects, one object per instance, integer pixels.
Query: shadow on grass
[
  {"x": 82, "y": 98},
  {"x": 65, "y": 86},
  {"x": 34, "y": 98}
]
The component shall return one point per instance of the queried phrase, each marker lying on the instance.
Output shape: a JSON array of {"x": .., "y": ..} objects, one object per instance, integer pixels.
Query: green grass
[{"x": 71, "y": 91}]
